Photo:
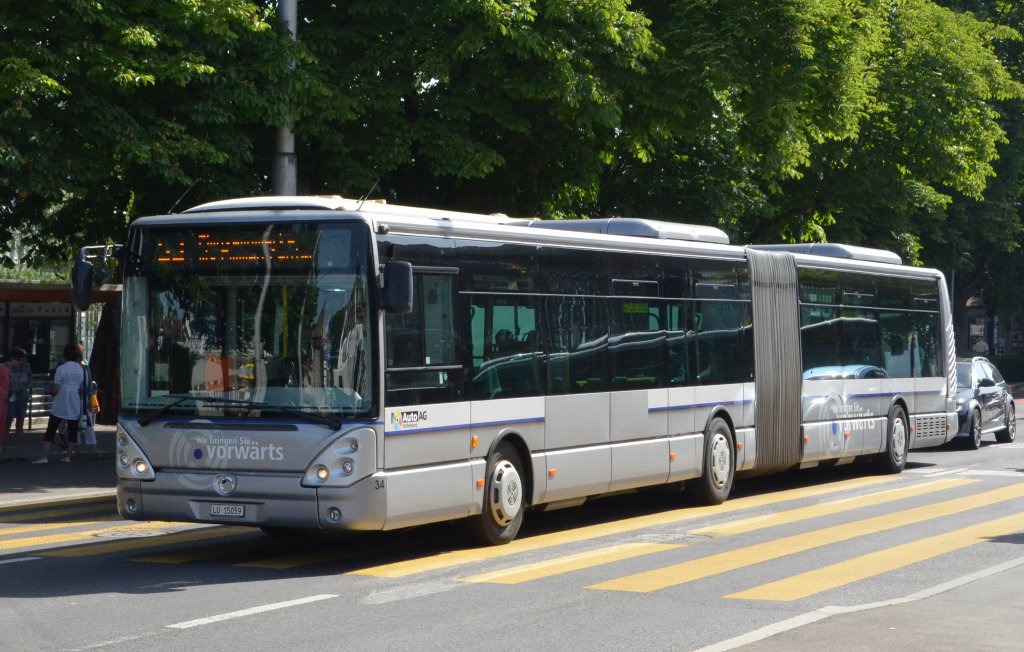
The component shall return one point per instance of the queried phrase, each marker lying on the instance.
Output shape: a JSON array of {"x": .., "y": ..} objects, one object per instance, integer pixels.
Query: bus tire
[
  {"x": 1009, "y": 433},
  {"x": 504, "y": 499},
  {"x": 973, "y": 440},
  {"x": 719, "y": 466},
  {"x": 894, "y": 458}
]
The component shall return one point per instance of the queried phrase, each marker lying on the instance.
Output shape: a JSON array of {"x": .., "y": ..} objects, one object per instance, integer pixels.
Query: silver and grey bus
[{"x": 324, "y": 363}]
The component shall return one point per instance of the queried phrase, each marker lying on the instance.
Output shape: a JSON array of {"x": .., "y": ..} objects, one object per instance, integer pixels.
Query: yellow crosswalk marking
[
  {"x": 825, "y": 509},
  {"x": 50, "y": 514},
  {"x": 43, "y": 527},
  {"x": 201, "y": 534},
  {"x": 734, "y": 559},
  {"x": 865, "y": 566},
  {"x": 89, "y": 502},
  {"x": 198, "y": 554},
  {"x": 458, "y": 557},
  {"x": 71, "y": 537},
  {"x": 569, "y": 563}
]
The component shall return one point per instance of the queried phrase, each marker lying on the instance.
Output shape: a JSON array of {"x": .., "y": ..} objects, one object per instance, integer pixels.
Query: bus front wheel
[
  {"x": 894, "y": 458},
  {"x": 714, "y": 485},
  {"x": 504, "y": 499}
]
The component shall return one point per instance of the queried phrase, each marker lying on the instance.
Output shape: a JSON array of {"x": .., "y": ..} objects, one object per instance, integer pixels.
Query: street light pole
[{"x": 283, "y": 172}]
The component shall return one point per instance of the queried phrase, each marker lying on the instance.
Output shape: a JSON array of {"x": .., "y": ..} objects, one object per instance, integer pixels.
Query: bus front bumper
[{"x": 254, "y": 500}]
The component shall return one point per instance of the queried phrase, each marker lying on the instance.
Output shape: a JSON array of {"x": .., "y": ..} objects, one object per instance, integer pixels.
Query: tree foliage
[
  {"x": 890, "y": 124},
  {"x": 104, "y": 105}
]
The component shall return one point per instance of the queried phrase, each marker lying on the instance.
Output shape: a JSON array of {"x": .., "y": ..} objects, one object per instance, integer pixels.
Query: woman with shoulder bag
[
  {"x": 90, "y": 405},
  {"x": 67, "y": 387}
]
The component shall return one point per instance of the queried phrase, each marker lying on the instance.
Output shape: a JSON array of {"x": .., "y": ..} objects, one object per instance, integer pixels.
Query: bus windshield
[{"x": 253, "y": 320}]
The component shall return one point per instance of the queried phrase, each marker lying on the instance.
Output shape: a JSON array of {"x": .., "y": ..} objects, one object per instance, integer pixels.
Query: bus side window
[
  {"x": 507, "y": 361},
  {"x": 422, "y": 366}
]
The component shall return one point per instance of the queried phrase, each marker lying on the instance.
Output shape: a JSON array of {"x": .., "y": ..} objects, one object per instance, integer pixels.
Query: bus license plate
[{"x": 235, "y": 511}]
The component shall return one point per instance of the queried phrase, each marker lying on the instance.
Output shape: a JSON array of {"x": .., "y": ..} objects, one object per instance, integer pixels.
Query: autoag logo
[{"x": 408, "y": 419}]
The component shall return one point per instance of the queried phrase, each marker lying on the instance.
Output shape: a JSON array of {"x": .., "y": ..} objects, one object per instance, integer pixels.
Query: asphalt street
[{"x": 956, "y": 615}]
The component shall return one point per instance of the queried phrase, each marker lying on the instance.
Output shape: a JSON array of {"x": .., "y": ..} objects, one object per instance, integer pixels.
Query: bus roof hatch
[
  {"x": 850, "y": 252},
  {"x": 636, "y": 227}
]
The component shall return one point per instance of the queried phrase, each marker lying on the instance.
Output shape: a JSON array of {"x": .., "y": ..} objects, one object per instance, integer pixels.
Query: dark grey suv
[{"x": 983, "y": 403}]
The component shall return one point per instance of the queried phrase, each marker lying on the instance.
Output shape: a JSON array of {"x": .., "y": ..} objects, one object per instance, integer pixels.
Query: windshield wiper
[
  {"x": 328, "y": 422},
  {"x": 319, "y": 419},
  {"x": 147, "y": 418}
]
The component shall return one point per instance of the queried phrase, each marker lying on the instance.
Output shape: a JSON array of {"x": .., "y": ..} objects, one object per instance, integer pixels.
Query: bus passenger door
[
  {"x": 426, "y": 419},
  {"x": 639, "y": 396},
  {"x": 507, "y": 382}
]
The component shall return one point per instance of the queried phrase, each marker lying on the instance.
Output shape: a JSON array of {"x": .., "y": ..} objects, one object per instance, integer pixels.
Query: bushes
[{"x": 1011, "y": 366}]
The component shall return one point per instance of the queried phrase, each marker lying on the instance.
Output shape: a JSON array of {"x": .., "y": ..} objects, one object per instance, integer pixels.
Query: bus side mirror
[
  {"x": 396, "y": 295},
  {"x": 81, "y": 282}
]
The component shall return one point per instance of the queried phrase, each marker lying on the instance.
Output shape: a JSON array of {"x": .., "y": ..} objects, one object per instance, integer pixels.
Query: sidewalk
[{"x": 24, "y": 483}]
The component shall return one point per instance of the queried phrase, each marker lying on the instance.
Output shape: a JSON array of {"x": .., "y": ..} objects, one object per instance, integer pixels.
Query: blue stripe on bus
[
  {"x": 461, "y": 426},
  {"x": 248, "y": 422},
  {"x": 879, "y": 394},
  {"x": 698, "y": 405}
]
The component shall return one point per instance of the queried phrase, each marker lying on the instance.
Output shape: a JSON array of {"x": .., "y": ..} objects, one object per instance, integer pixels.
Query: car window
[
  {"x": 980, "y": 372},
  {"x": 993, "y": 372},
  {"x": 963, "y": 374}
]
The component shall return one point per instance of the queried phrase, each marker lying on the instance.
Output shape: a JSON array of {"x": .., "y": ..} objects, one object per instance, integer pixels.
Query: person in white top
[{"x": 68, "y": 390}]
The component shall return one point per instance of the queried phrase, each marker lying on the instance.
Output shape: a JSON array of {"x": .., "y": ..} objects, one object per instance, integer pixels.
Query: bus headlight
[
  {"x": 345, "y": 461},
  {"x": 132, "y": 463}
]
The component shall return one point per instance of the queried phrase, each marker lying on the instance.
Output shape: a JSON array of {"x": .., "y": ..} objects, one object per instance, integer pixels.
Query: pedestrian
[
  {"x": 19, "y": 400},
  {"x": 68, "y": 389},
  {"x": 5, "y": 383}
]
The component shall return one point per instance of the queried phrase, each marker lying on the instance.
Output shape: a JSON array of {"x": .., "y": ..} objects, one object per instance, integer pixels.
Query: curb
[{"x": 63, "y": 500}]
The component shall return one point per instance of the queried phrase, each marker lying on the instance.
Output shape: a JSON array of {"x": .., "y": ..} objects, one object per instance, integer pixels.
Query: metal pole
[{"x": 283, "y": 172}]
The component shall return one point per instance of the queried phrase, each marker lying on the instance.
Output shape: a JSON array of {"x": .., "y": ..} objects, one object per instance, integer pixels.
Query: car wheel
[
  {"x": 1009, "y": 433},
  {"x": 974, "y": 434}
]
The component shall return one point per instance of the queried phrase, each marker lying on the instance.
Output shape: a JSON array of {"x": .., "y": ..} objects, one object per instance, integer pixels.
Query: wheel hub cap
[
  {"x": 899, "y": 439},
  {"x": 720, "y": 460},
  {"x": 506, "y": 495}
]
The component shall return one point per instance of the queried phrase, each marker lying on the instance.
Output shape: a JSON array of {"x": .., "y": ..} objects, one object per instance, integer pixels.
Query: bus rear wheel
[
  {"x": 715, "y": 484},
  {"x": 894, "y": 458},
  {"x": 504, "y": 499}
]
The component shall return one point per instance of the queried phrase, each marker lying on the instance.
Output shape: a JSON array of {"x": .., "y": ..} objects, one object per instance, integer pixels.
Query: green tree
[
  {"x": 812, "y": 120},
  {"x": 108, "y": 108},
  {"x": 981, "y": 247},
  {"x": 511, "y": 106}
]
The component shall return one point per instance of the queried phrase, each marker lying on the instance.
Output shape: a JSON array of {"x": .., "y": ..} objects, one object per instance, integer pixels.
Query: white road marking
[
  {"x": 249, "y": 612},
  {"x": 824, "y": 612},
  {"x": 945, "y": 472},
  {"x": 15, "y": 561},
  {"x": 993, "y": 472}
]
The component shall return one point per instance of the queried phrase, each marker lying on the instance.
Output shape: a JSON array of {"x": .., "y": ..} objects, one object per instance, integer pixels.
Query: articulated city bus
[{"x": 316, "y": 362}]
